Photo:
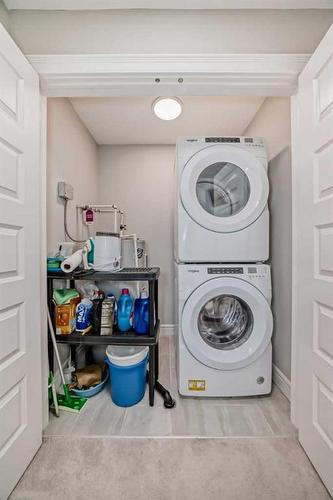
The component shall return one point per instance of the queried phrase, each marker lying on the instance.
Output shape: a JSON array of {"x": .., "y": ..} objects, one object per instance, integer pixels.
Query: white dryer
[
  {"x": 224, "y": 329},
  {"x": 221, "y": 200}
]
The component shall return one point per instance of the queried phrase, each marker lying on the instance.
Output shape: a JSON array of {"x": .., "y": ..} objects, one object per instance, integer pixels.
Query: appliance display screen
[
  {"x": 222, "y": 139},
  {"x": 225, "y": 270}
]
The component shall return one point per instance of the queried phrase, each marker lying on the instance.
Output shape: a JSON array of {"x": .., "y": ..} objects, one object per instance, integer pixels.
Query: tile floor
[{"x": 246, "y": 417}]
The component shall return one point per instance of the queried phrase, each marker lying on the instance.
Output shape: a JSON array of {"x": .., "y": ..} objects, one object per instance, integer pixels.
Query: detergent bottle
[
  {"x": 125, "y": 310},
  {"x": 141, "y": 313},
  {"x": 83, "y": 316}
]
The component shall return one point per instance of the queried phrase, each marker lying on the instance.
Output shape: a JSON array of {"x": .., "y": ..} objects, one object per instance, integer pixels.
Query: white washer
[
  {"x": 224, "y": 329},
  {"x": 221, "y": 200}
]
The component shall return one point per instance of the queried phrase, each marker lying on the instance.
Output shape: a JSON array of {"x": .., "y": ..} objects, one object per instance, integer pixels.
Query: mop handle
[{"x": 54, "y": 342}]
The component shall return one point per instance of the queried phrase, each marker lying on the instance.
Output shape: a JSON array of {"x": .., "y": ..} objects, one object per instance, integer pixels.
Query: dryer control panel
[
  {"x": 246, "y": 141},
  {"x": 225, "y": 270}
]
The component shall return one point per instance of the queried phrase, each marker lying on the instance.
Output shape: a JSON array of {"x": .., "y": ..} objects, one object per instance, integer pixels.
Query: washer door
[
  {"x": 227, "y": 323},
  {"x": 224, "y": 188}
]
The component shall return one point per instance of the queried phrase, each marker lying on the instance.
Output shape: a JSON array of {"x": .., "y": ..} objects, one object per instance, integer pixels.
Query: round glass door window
[
  {"x": 225, "y": 322},
  {"x": 223, "y": 189}
]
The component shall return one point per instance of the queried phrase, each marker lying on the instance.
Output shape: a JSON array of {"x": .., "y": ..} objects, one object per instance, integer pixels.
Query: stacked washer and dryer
[{"x": 223, "y": 288}]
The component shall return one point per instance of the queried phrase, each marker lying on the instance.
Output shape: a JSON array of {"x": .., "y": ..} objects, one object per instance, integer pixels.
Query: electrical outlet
[{"x": 65, "y": 191}]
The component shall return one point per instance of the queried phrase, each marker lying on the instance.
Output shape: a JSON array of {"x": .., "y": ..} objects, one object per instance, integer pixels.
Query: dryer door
[
  {"x": 226, "y": 323},
  {"x": 224, "y": 188}
]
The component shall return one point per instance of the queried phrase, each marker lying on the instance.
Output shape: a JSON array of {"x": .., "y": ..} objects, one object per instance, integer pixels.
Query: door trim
[
  {"x": 43, "y": 212},
  {"x": 294, "y": 338},
  {"x": 101, "y": 75}
]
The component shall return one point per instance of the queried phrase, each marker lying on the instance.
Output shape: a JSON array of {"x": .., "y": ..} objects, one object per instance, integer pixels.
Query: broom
[{"x": 65, "y": 401}]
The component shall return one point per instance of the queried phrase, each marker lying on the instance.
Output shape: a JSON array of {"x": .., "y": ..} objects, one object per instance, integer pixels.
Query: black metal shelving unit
[{"x": 150, "y": 275}]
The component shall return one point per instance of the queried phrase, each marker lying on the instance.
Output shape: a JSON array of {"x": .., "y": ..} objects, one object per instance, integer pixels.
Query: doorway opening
[{"x": 114, "y": 150}]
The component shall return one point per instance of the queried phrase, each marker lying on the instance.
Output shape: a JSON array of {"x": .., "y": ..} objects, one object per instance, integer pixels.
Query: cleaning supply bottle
[
  {"x": 83, "y": 316},
  {"x": 125, "y": 307},
  {"x": 141, "y": 313},
  {"x": 108, "y": 314},
  {"x": 115, "y": 314}
]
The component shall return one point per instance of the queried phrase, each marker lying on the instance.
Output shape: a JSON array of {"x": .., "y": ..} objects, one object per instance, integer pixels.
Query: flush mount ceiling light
[{"x": 167, "y": 108}]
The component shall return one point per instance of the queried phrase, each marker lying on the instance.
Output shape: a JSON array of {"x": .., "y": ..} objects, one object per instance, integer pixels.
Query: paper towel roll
[{"x": 68, "y": 265}]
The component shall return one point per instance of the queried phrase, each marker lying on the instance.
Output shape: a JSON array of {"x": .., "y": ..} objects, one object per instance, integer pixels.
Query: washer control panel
[
  {"x": 225, "y": 270},
  {"x": 254, "y": 272},
  {"x": 223, "y": 139}
]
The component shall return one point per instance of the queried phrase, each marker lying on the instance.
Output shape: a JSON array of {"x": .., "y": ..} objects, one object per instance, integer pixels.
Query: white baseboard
[
  {"x": 282, "y": 382},
  {"x": 167, "y": 330}
]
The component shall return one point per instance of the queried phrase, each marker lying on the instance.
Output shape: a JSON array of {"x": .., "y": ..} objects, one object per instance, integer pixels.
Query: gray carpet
[{"x": 170, "y": 469}]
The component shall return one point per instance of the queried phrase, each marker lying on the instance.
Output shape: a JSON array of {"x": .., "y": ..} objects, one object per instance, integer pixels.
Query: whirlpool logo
[{"x": 193, "y": 270}]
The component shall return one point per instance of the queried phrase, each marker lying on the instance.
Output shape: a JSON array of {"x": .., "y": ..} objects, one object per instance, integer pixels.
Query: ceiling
[
  {"x": 166, "y": 4},
  {"x": 129, "y": 120}
]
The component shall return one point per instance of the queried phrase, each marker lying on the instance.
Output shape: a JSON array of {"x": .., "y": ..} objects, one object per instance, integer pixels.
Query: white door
[
  {"x": 20, "y": 266},
  {"x": 313, "y": 259},
  {"x": 230, "y": 186}
]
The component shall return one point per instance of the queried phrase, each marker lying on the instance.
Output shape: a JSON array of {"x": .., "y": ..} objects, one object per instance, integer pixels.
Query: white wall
[
  {"x": 273, "y": 123},
  {"x": 4, "y": 16},
  {"x": 281, "y": 257},
  {"x": 72, "y": 156},
  {"x": 170, "y": 31},
  {"x": 139, "y": 179}
]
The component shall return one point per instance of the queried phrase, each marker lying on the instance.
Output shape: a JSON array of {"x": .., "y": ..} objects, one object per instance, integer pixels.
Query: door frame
[
  {"x": 43, "y": 275},
  {"x": 294, "y": 296},
  {"x": 106, "y": 75}
]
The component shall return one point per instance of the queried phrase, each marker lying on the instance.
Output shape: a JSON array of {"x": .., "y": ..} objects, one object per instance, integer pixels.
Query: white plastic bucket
[
  {"x": 107, "y": 252},
  {"x": 126, "y": 355}
]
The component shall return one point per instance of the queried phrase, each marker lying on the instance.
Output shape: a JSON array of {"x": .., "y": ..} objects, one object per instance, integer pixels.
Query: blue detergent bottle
[
  {"x": 124, "y": 314},
  {"x": 141, "y": 313}
]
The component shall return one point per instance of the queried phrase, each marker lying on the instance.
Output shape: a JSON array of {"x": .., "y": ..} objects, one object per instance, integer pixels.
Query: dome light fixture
[{"x": 167, "y": 108}]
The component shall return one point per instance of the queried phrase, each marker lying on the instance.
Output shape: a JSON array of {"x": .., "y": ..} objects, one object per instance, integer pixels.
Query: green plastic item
[
  {"x": 54, "y": 263},
  {"x": 53, "y": 394},
  {"x": 64, "y": 295},
  {"x": 91, "y": 253},
  {"x": 70, "y": 403},
  {"x": 64, "y": 401}
]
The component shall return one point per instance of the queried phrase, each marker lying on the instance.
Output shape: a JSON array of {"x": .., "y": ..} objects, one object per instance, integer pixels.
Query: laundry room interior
[
  {"x": 117, "y": 162},
  {"x": 166, "y": 249}
]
